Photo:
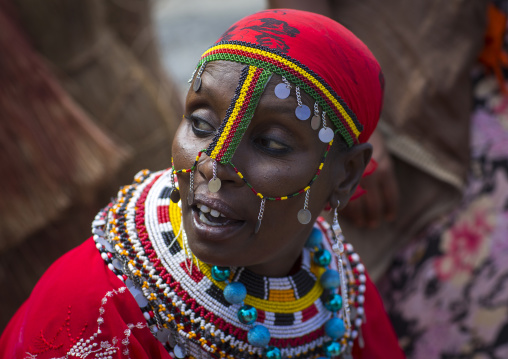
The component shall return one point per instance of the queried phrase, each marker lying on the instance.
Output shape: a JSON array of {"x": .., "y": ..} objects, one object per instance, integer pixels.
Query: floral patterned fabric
[{"x": 447, "y": 291}]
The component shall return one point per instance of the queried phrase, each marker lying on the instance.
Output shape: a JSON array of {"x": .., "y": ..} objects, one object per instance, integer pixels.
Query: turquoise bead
[
  {"x": 315, "y": 238},
  {"x": 333, "y": 302},
  {"x": 235, "y": 292},
  {"x": 332, "y": 349},
  {"x": 220, "y": 274},
  {"x": 272, "y": 353},
  {"x": 322, "y": 257},
  {"x": 247, "y": 314},
  {"x": 259, "y": 336},
  {"x": 335, "y": 328},
  {"x": 330, "y": 279}
]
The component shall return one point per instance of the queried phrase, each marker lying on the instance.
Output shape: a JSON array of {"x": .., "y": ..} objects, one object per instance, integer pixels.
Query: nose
[{"x": 224, "y": 172}]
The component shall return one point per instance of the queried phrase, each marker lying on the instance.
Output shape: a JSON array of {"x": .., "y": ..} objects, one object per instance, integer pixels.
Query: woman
[{"x": 224, "y": 253}]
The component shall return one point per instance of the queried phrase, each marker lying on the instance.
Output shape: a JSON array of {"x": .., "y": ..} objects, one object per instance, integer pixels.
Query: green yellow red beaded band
[
  {"x": 239, "y": 114},
  {"x": 262, "y": 57}
]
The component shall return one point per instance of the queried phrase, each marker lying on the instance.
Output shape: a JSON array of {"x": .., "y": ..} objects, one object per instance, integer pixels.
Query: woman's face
[{"x": 278, "y": 155}]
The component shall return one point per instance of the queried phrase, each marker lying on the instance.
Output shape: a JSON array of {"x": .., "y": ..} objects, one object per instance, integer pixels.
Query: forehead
[{"x": 220, "y": 79}]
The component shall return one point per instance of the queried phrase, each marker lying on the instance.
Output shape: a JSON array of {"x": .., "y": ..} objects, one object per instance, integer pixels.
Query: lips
[{"x": 214, "y": 219}]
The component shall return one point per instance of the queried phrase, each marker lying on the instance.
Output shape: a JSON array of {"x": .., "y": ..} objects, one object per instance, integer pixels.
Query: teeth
[
  {"x": 203, "y": 208},
  {"x": 205, "y": 220}
]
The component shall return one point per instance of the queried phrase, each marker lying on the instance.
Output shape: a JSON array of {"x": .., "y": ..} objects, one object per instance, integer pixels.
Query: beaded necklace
[{"x": 140, "y": 238}]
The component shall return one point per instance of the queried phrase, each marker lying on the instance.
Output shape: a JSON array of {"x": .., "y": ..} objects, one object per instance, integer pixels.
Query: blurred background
[
  {"x": 91, "y": 92},
  {"x": 186, "y": 29}
]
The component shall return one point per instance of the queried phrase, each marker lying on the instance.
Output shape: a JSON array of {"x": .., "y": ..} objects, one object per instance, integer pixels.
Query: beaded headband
[{"x": 275, "y": 61}]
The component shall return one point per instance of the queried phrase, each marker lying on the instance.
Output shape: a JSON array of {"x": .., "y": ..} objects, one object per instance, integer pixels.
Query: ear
[{"x": 347, "y": 176}]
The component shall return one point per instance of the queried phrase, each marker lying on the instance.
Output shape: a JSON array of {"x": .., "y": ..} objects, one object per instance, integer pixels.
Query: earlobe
[{"x": 355, "y": 161}]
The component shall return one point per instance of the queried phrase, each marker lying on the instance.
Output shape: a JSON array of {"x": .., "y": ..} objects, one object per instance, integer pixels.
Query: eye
[
  {"x": 200, "y": 127},
  {"x": 272, "y": 146}
]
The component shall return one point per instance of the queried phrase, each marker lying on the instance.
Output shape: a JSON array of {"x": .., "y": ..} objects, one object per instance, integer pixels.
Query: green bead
[
  {"x": 220, "y": 274},
  {"x": 235, "y": 292},
  {"x": 259, "y": 336},
  {"x": 315, "y": 238},
  {"x": 272, "y": 353},
  {"x": 332, "y": 349},
  {"x": 330, "y": 279},
  {"x": 247, "y": 314},
  {"x": 335, "y": 328},
  {"x": 322, "y": 257},
  {"x": 333, "y": 302}
]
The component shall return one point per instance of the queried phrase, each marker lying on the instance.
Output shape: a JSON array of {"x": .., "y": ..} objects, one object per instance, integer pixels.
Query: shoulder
[{"x": 80, "y": 307}]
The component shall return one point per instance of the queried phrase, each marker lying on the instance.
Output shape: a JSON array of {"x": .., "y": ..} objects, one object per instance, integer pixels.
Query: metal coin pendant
[
  {"x": 214, "y": 185},
  {"x": 258, "y": 225},
  {"x": 175, "y": 195},
  {"x": 326, "y": 134},
  {"x": 282, "y": 91},
  {"x": 179, "y": 351},
  {"x": 304, "y": 216},
  {"x": 197, "y": 84},
  {"x": 315, "y": 122},
  {"x": 302, "y": 112}
]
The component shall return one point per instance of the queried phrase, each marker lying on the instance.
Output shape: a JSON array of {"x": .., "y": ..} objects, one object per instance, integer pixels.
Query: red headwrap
[{"x": 316, "y": 53}]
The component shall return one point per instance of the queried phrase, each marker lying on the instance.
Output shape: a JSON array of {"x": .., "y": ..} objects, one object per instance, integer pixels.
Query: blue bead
[
  {"x": 258, "y": 336},
  {"x": 333, "y": 302},
  {"x": 335, "y": 328},
  {"x": 315, "y": 238},
  {"x": 235, "y": 292},
  {"x": 220, "y": 274},
  {"x": 322, "y": 257},
  {"x": 272, "y": 353},
  {"x": 247, "y": 314},
  {"x": 332, "y": 349},
  {"x": 330, "y": 279}
]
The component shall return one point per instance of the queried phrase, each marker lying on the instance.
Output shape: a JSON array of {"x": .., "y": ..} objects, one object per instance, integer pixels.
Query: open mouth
[{"x": 212, "y": 217}]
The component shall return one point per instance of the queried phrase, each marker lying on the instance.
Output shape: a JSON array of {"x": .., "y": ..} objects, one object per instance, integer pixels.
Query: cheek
[
  {"x": 185, "y": 147},
  {"x": 280, "y": 178}
]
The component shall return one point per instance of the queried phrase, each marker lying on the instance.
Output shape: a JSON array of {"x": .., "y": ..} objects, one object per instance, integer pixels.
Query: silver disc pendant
[
  {"x": 315, "y": 122},
  {"x": 172, "y": 338},
  {"x": 214, "y": 185},
  {"x": 304, "y": 216},
  {"x": 258, "y": 225},
  {"x": 197, "y": 84},
  {"x": 163, "y": 335},
  {"x": 179, "y": 351},
  {"x": 174, "y": 195},
  {"x": 326, "y": 134},
  {"x": 282, "y": 91},
  {"x": 302, "y": 112}
]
